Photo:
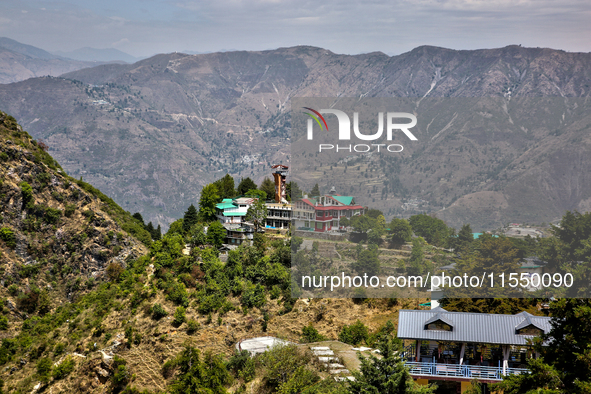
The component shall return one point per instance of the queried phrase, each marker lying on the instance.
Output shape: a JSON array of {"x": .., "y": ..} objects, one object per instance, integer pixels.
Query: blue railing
[{"x": 461, "y": 371}]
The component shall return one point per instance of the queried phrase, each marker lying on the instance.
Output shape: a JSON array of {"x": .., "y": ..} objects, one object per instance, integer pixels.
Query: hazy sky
[{"x": 146, "y": 27}]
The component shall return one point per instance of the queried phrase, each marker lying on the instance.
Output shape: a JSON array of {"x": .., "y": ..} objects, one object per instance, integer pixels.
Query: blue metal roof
[{"x": 469, "y": 327}]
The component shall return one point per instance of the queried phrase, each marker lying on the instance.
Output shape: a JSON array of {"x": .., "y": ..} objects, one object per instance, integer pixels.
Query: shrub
[
  {"x": 89, "y": 214},
  {"x": 59, "y": 349},
  {"x": 129, "y": 335},
  {"x": 3, "y": 323},
  {"x": 114, "y": 271},
  {"x": 354, "y": 334},
  {"x": 64, "y": 368},
  {"x": 28, "y": 300},
  {"x": 177, "y": 293},
  {"x": 121, "y": 377},
  {"x": 13, "y": 290},
  {"x": 281, "y": 362},
  {"x": 8, "y": 237},
  {"x": 27, "y": 192},
  {"x": 275, "y": 292},
  {"x": 192, "y": 326},
  {"x": 242, "y": 365},
  {"x": 310, "y": 334},
  {"x": 44, "y": 369},
  {"x": 44, "y": 178},
  {"x": 253, "y": 296},
  {"x": 158, "y": 312},
  {"x": 70, "y": 209},
  {"x": 52, "y": 216},
  {"x": 179, "y": 316}
]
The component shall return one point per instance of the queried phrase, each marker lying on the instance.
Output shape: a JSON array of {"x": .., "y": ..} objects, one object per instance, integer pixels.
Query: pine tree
[
  {"x": 196, "y": 376},
  {"x": 293, "y": 191},
  {"x": 138, "y": 217},
  {"x": 225, "y": 187},
  {"x": 385, "y": 375},
  {"x": 150, "y": 228},
  {"x": 190, "y": 218},
  {"x": 417, "y": 257},
  {"x": 245, "y": 185},
  {"x": 464, "y": 240},
  {"x": 268, "y": 186},
  {"x": 367, "y": 261},
  {"x": 315, "y": 192}
]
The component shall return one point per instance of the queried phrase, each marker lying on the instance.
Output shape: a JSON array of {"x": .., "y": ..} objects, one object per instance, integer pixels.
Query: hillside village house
[
  {"x": 453, "y": 348},
  {"x": 322, "y": 214},
  {"x": 233, "y": 210},
  {"x": 278, "y": 215}
]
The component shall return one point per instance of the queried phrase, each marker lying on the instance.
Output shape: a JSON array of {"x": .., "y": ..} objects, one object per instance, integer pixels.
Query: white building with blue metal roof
[{"x": 460, "y": 346}]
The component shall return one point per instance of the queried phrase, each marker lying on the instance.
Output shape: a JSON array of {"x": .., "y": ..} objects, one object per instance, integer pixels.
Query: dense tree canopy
[
  {"x": 464, "y": 241},
  {"x": 216, "y": 233},
  {"x": 190, "y": 218},
  {"x": 367, "y": 261},
  {"x": 565, "y": 366},
  {"x": 207, "y": 202},
  {"x": 400, "y": 231},
  {"x": 434, "y": 230},
  {"x": 268, "y": 186},
  {"x": 245, "y": 185},
  {"x": 225, "y": 187},
  {"x": 385, "y": 375},
  {"x": 257, "y": 214},
  {"x": 293, "y": 190}
]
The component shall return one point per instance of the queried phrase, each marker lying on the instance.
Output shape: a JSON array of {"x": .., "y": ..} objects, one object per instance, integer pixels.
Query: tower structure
[{"x": 279, "y": 175}]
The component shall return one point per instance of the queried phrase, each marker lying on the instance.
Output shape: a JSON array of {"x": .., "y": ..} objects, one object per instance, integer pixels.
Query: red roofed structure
[{"x": 322, "y": 214}]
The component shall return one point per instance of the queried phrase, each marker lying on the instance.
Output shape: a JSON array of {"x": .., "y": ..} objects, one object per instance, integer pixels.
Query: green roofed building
[{"x": 233, "y": 210}]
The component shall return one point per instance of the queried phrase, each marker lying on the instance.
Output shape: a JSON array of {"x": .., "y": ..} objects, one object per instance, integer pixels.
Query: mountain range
[
  {"x": 152, "y": 133},
  {"x": 99, "y": 55},
  {"x": 20, "y": 61}
]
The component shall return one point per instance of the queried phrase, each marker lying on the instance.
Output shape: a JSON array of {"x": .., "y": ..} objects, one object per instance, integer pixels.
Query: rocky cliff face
[{"x": 55, "y": 235}]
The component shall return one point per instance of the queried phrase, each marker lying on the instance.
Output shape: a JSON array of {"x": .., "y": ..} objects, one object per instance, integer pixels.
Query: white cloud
[{"x": 121, "y": 42}]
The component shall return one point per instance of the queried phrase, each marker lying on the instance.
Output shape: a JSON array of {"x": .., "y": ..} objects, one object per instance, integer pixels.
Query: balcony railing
[
  {"x": 323, "y": 218},
  {"x": 461, "y": 371}
]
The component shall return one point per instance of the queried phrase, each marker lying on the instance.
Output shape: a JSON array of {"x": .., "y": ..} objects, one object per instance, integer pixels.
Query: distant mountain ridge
[
  {"x": 24, "y": 49},
  {"x": 152, "y": 133},
  {"x": 20, "y": 61},
  {"x": 99, "y": 55}
]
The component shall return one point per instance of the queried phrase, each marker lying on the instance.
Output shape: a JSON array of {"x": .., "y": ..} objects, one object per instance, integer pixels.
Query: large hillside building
[
  {"x": 322, "y": 214},
  {"x": 453, "y": 348}
]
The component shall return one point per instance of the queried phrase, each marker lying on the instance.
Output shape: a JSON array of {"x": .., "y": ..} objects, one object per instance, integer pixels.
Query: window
[
  {"x": 438, "y": 326},
  {"x": 529, "y": 330}
]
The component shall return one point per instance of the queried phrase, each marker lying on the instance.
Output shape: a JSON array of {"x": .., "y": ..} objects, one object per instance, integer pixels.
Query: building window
[
  {"x": 530, "y": 330},
  {"x": 439, "y": 326}
]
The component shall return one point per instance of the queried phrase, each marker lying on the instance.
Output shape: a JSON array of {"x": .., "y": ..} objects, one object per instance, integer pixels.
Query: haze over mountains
[
  {"x": 152, "y": 133},
  {"x": 100, "y": 55},
  {"x": 20, "y": 61}
]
